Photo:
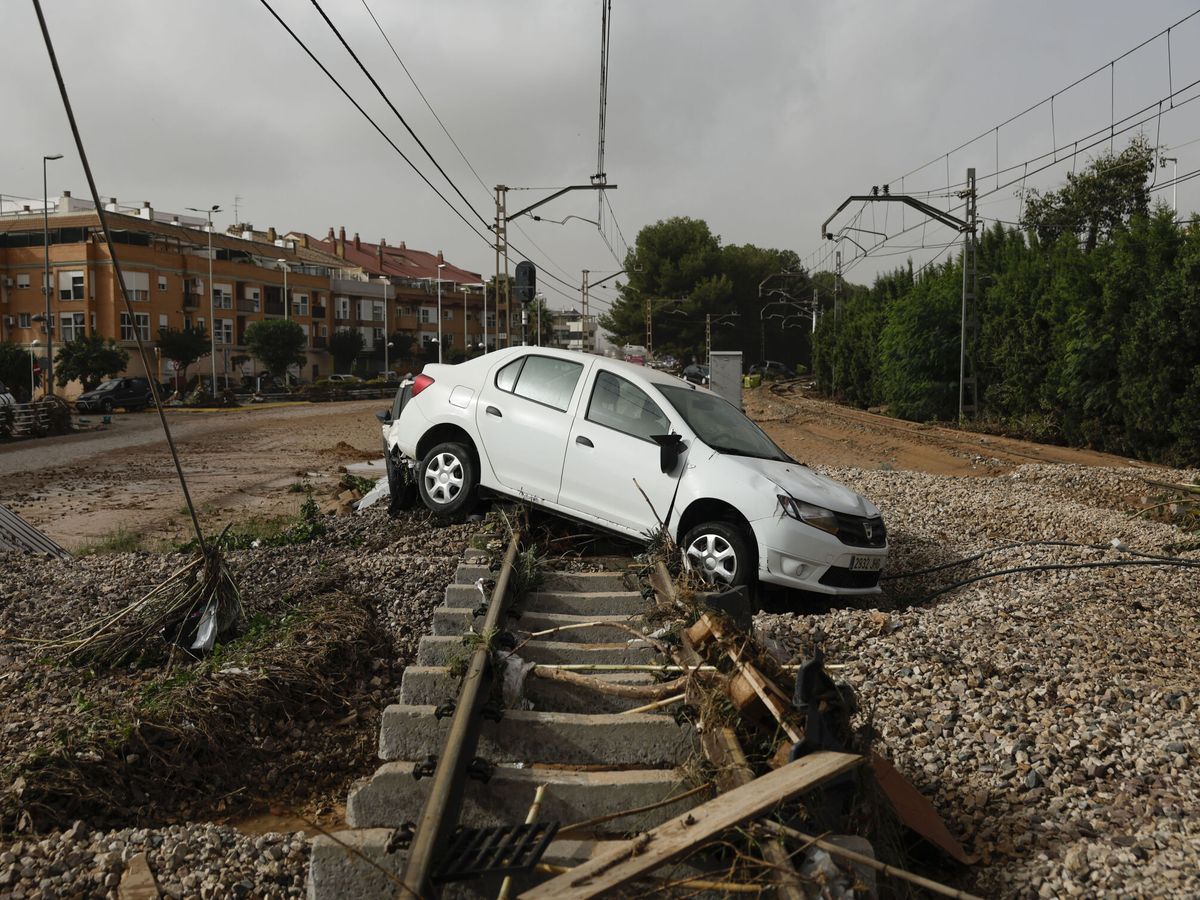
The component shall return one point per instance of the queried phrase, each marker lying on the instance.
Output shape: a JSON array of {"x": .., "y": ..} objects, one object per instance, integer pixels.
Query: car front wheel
[
  {"x": 401, "y": 486},
  {"x": 447, "y": 479},
  {"x": 107, "y": 406},
  {"x": 718, "y": 553}
]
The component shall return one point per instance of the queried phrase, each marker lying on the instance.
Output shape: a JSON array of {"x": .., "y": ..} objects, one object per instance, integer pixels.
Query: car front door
[
  {"x": 611, "y": 459},
  {"x": 524, "y": 416}
]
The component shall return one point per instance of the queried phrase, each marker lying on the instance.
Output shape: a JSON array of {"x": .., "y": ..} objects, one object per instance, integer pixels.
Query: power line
[
  {"x": 421, "y": 93},
  {"x": 374, "y": 124},
  {"x": 316, "y": 4}
]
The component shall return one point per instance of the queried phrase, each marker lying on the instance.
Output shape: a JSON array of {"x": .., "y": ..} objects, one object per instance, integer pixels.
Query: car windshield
[
  {"x": 109, "y": 386},
  {"x": 720, "y": 425}
]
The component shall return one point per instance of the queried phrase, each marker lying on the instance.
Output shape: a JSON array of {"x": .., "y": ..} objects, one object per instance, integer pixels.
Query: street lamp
[
  {"x": 46, "y": 278},
  {"x": 212, "y": 311},
  {"x": 386, "y": 281},
  {"x": 36, "y": 343},
  {"x": 439, "y": 312},
  {"x": 1162, "y": 161}
]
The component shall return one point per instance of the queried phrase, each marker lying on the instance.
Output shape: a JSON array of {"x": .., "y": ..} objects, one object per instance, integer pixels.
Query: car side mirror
[
  {"x": 384, "y": 416},
  {"x": 670, "y": 448}
]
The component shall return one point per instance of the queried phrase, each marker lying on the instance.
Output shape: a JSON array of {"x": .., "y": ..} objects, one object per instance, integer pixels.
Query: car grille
[
  {"x": 853, "y": 530},
  {"x": 844, "y": 578}
]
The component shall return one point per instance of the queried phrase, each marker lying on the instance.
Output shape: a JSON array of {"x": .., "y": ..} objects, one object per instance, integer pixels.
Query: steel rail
[{"x": 442, "y": 808}]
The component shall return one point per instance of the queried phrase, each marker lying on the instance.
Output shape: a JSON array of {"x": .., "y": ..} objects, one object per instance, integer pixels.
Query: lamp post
[
  {"x": 386, "y": 343},
  {"x": 212, "y": 309},
  {"x": 439, "y": 312},
  {"x": 46, "y": 278},
  {"x": 36, "y": 343},
  {"x": 1162, "y": 161}
]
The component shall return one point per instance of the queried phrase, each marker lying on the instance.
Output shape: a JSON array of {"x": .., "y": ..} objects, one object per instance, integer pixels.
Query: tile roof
[{"x": 401, "y": 261}]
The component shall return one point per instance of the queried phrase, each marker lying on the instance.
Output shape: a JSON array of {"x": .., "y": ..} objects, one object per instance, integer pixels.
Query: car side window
[
  {"x": 545, "y": 379},
  {"x": 623, "y": 406},
  {"x": 506, "y": 378}
]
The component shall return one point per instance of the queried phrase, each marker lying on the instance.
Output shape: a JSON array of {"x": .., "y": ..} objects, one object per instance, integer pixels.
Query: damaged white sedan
[{"x": 630, "y": 450}]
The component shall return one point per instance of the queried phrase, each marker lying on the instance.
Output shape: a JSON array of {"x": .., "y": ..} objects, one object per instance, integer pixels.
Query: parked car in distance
[
  {"x": 696, "y": 374},
  {"x": 624, "y": 447},
  {"x": 131, "y": 393},
  {"x": 770, "y": 369},
  {"x": 349, "y": 379}
]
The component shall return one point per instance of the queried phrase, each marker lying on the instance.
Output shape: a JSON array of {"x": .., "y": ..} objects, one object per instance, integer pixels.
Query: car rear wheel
[
  {"x": 447, "y": 479},
  {"x": 401, "y": 486},
  {"x": 718, "y": 553}
]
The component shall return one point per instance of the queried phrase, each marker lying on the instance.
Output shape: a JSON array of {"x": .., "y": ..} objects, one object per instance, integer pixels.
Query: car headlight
[{"x": 816, "y": 516}]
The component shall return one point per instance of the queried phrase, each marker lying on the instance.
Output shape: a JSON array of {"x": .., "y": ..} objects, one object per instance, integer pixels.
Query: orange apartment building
[{"x": 165, "y": 260}]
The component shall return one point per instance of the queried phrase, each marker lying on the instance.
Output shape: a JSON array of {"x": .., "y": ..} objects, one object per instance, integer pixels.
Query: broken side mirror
[
  {"x": 384, "y": 416},
  {"x": 670, "y": 448}
]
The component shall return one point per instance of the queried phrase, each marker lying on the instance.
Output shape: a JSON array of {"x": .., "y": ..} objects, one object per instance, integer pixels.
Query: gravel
[
  {"x": 398, "y": 567},
  {"x": 1051, "y": 717}
]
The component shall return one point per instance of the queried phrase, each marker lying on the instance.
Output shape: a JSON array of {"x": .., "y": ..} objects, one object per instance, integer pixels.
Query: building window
[
  {"x": 143, "y": 326},
  {"x": 22, "y": 281},
  {"x": 70, "y": 285},
  {"x": 307, "y": 342},
  {"x": 324, "y": 331},
  {"x": 377, "y": 336},
  {"x": 222, "y": 296},
  {"x": 224, "y": 332},
  {"x": 426, "y": 315},
  {"x": 23, "y": 320},
  {"x": 491, "y": 320},
  {"x": 253, "y": 297},
  {"x": 299, "y": 304},
  {"x": 368, "y": 336},
  {"x": 447, "y": 314},
  {"x": 406, "y": 311},
  {"x": 341, "y": 308},
  {"x": 138, "y": 286},
  {"x": 162, "y": 284},
  {"x": 71, "y": 326},
  {"x": 164, "y": 321}
]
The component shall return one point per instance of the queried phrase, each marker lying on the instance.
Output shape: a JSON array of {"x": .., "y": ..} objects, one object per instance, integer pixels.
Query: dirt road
[{"x": 83, "y": 487}]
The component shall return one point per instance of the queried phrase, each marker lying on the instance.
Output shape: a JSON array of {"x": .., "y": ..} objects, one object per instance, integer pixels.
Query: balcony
[
  {"x": 191, "y": 300},
  {"x": 319, "y": 343},
  {"x": 247, "y": 306},
  {"x": 273, "y": 307},
  {"x": 319, "y": 312}
]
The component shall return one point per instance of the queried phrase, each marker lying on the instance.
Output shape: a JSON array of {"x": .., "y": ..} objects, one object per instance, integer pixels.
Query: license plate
[{"x": 866, "y": 563}]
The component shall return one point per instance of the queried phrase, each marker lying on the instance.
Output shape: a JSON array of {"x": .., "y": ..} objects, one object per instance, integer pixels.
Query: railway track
[{"x": 599, "y": 789}]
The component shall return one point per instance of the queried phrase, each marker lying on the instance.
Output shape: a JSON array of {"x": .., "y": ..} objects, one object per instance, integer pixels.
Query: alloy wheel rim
[
  {"x": 443, "y": 478},
  {"x": 712, "y": 558}
]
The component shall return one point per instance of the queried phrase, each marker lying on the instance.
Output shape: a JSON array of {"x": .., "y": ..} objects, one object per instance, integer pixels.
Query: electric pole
[
  {"x": 583, "y": 322},
  {"x": 501, "y": 228},
  {"x": 649, "y": 333},
  {"x": 968, "y": 383}
]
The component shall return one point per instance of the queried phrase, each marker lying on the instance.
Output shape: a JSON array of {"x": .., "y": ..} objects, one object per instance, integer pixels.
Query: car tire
[
  {"x": 106, "y": 407},
  {"x": 447, "y": 480},
  {"x": 402, "y": 488},
  {"x": 719, "y": 554}
]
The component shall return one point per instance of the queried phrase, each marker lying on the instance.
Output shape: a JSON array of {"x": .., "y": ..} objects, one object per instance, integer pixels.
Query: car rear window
[{"x": 542, "y": 379}]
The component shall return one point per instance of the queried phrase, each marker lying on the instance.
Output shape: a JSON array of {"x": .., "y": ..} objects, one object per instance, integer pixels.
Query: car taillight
[{"x": 421, "y": 382}]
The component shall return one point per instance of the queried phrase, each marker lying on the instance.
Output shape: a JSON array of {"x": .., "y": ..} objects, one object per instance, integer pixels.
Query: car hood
[{"x": 804, "y": 484}]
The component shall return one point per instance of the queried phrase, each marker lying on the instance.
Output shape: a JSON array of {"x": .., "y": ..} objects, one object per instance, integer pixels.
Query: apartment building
[{"x": 165, "y": 259}]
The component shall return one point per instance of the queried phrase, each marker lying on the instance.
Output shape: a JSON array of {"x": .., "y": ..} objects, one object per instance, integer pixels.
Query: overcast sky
[{"x": 759, "y": 117}]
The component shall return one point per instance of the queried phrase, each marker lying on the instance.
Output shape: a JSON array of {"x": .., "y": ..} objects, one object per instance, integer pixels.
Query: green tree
[
  {"x": 184, "y": 346},
  {"x": 277, "y": 344},
  {"x": 15, "y": 366},
  {"x": 402, "y": 344},
  {"x": 345, "y": 344},
  {"x": 1095, "y": 201},
  {"x": 88, "y": 359}
]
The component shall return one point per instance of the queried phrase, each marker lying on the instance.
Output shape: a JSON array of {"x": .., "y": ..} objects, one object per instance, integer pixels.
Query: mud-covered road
[{"x": 81, "y": 488}]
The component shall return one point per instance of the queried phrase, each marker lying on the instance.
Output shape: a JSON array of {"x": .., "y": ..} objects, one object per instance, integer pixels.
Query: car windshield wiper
[{"x": 740, "y": 451}]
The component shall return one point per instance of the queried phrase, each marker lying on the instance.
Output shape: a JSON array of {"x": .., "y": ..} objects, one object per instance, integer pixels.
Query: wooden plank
[{"x": 673, "y": 839}]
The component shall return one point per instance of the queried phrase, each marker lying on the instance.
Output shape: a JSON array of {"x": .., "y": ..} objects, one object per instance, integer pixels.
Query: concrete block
[
  {"x": 468, "y": 574},
  {"x": 448, "y": 620},
  {"x": 393, "y": 796},
  {"x": 641, "y": 740},
  {"x": 435, "y": 650},
  {"x": 589, "y": 581},
  {"x": 433, "y": 685},
  {"x": 580, "y": 603}
]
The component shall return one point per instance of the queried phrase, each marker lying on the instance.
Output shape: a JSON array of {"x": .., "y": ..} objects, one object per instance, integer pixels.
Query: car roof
[{"x": 632, "y": 370}]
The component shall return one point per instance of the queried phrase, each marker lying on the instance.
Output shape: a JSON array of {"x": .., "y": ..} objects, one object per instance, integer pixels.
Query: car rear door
[
  {"x": 524, "y": 417},
  {"x": 610, "y": 455}
]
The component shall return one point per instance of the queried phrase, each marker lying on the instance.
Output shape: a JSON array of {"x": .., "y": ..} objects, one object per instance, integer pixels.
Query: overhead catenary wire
[
  {"x": 300, "y": 41},
  {"x": 386, "y": 99}
]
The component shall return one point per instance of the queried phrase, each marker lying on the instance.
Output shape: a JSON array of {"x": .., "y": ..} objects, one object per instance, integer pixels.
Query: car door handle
[
  {"x": 587, "y": 442},
  {"x": 492, "y": 411}
]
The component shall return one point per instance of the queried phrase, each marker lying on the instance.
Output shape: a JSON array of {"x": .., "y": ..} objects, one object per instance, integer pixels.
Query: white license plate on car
[{"x": 866, "y": 563}]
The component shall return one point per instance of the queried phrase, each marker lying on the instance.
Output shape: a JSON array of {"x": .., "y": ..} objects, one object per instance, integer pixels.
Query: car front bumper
[{"x": 796, "y": 555}]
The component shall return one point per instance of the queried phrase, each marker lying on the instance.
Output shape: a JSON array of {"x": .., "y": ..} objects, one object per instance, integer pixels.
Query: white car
[{"x": 625, "y": 448}]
